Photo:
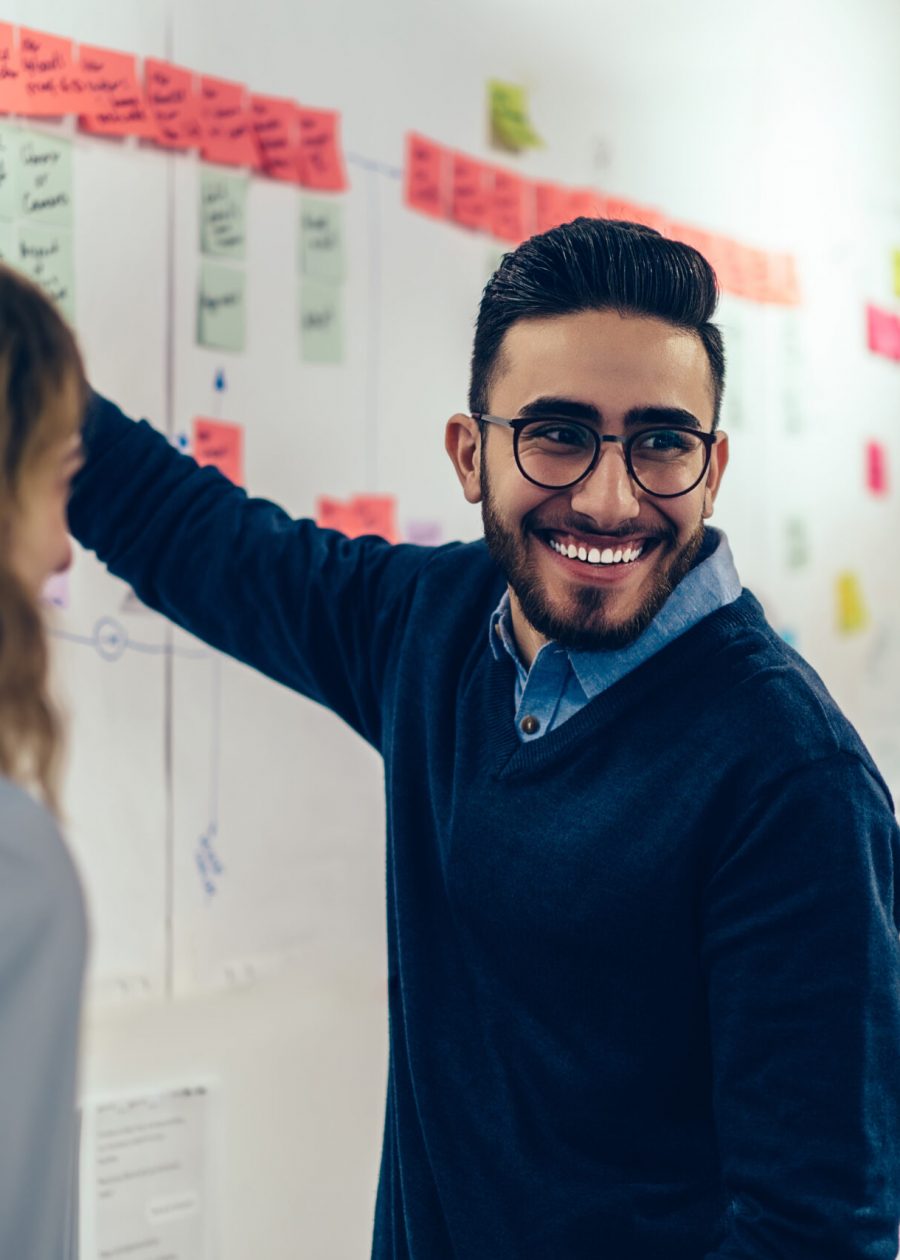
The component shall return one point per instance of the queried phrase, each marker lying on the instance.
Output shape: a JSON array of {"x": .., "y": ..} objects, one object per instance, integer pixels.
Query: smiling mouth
[{"x": 573, "y": 547}]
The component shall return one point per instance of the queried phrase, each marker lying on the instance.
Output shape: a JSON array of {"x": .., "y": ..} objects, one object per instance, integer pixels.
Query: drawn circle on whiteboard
[{"x": 110, "y": 638}]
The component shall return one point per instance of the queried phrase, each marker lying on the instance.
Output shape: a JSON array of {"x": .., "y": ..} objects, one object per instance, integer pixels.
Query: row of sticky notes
[
  {"x": 43, "y": 75},
  {"x": 486, "y": 198},
  {"x": 883, "y": 330}
]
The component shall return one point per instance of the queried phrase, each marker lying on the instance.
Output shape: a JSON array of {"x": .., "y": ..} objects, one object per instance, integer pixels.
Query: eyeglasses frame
[{"x": 626, "y": 441}]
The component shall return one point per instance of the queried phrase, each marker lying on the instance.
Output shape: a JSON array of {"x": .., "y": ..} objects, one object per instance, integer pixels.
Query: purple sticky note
[
  {"x": 424, "y": 533},
  {"x": 56, "y": 590}
]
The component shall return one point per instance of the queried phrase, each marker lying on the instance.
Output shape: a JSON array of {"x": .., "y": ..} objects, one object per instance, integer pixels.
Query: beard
[{"x": 585, "y": 624}]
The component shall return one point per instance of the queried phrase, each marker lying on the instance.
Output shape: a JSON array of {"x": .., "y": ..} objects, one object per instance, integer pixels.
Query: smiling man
[{"x": 642, "y": 909}]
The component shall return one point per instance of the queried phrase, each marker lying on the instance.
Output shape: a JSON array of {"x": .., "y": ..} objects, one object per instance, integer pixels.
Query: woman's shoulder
[{"x": 37, "y": 874}]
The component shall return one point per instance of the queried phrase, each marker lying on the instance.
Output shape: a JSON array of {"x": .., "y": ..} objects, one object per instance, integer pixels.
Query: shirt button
[{"x": 530, "y": 725}]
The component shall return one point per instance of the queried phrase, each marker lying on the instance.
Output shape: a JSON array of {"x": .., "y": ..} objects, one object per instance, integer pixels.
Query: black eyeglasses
[{"x": 555, "y": 453}]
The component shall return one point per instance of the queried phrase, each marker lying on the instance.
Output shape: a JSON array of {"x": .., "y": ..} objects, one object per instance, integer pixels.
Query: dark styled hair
[{"x": 597, "y": 264}]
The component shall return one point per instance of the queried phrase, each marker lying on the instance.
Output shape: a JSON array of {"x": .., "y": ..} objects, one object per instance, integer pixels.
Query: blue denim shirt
[{"x": 560, "y": 682}]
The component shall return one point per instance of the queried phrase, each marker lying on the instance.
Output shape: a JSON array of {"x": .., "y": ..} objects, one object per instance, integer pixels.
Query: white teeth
[{"x": 595, "y": 555}]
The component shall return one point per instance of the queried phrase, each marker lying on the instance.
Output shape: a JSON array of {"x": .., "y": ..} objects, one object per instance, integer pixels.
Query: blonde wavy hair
[{"x": 42, "y": 397}]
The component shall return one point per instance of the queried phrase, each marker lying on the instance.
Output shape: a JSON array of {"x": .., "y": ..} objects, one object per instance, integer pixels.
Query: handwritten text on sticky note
[{"x": 221, "y": 444}]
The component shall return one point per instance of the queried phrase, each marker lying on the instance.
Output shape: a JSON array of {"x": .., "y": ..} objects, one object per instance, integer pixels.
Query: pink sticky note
[
  {"x": 363, "y": 514},
  {"x": 10, "y": 71},
  {"x": 221, "y": 444},
  {"x": 883, "y": 332},
  {"x": 321, "y": 156},
  {"x": 425, "y": 176},
  {"x": 696, "y": 237},
  {"x": 551, "y": 206},
  {"x": 276, "y": 127},
  {"x": 512, "y": 206},
  {"x": 782, "y": 282},
  {"x": 121, "y": 109},
  {"x": 585, "y": 203},
  {"x": 627, "y": 211},
  {"x": 725, "y": 258},
  {"x": 876, "y": 468},
  {"x": 226, "y": 124},
  {"x": 174, "y": 104},
  {"x": 50, "y": 83},
  {"x": 470, "y": 203},
  {"x": 375, "y": 514}
]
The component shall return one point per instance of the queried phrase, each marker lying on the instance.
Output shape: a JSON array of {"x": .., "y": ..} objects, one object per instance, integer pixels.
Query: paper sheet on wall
[{"x": 145, "y": 1177}]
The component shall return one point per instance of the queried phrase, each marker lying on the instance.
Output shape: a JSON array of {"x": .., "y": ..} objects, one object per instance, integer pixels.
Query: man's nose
[{"x": 607, "y": 493}]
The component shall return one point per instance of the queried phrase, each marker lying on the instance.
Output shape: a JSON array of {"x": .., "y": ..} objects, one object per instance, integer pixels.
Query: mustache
[{"x": 584, "y": 525}]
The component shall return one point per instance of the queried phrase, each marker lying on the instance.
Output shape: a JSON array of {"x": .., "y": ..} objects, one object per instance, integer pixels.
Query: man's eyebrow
[
  {"x": 661, "y": 415},
  {"x": 573, "y": 409}
]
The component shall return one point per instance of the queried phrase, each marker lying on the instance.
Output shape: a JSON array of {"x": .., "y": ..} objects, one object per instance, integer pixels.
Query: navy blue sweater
[{"x": 644, "y": 972}]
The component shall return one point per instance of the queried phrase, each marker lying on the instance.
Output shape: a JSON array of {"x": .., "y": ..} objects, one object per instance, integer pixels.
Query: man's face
[{"x": 602, "y": 367}]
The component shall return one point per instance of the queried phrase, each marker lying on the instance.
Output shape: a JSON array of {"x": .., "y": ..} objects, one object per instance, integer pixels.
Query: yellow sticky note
[
  {"x": 511, "y": 127},
  {"x": 897, "y": 272},
  {"x": 852, "y": 614}
]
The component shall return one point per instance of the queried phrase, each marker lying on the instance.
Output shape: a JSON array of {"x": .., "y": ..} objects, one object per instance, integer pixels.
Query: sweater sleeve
[
  {"x": 314, "y": 610},
  {"x": 803, "y": 969}
]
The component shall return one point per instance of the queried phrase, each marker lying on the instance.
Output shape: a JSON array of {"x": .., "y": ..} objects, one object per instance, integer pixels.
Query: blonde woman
[{"x": 42, "y": 921}]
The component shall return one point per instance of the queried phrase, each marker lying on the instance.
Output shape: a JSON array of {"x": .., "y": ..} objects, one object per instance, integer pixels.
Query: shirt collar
[{"x": 710, "y": 584}]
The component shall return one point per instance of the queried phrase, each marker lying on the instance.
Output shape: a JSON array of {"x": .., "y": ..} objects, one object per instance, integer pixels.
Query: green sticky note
[
  {"x": 796, "y": 543},
  {"x": 321, "y": 239},
  {"x": 223, "y": 213},
  {"x": 321, "y": 322},
  {"x": 897, "y": 272},
  {"x": 45, "y": 178},
  {"x": 45, "y": 254},
  {"x": 221, "y": 305},
  {"x": 9, "y": 171},
  {"x": 508, "y": 112},
  {"x": 9, "y": 243}
]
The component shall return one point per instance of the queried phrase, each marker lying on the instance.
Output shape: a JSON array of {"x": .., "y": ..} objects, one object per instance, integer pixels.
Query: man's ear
[
  {"x": 462, "y": 441},
  {"x": 717, "y": 465}
]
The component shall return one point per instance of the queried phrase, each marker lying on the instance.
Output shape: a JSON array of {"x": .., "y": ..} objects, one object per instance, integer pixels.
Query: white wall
[{"x": 774, "y": 123}]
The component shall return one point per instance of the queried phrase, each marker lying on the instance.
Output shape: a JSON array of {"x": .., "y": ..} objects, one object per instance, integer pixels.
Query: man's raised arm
[{"x": 307, "y": 606}]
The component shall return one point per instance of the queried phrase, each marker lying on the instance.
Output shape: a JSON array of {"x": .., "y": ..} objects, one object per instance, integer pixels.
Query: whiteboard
[
  {"x": 773, "y": 123},
  {"x": 232, "y": 816}
]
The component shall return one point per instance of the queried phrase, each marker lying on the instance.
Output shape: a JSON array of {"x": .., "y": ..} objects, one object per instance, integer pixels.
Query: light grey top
[{"x": 43, "y": 942}]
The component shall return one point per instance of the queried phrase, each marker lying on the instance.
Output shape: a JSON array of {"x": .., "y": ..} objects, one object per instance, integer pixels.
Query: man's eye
[
  {"x": 559, "y": 435},
  {"x": 665, "y": 440}
]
